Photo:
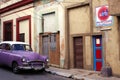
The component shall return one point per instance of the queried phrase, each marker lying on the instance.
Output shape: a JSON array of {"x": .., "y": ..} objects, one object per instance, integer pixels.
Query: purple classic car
[{"x": 19, "y": 55}]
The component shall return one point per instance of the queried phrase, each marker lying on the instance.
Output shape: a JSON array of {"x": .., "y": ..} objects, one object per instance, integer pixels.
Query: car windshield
[{"x": 23, "y": 47}]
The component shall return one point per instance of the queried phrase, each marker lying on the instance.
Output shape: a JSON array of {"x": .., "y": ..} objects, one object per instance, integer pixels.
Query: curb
[
  {"x": 81, "y": 78},
  {"x": 60, "y": 73},
  {"x": 68, "y": 75}
]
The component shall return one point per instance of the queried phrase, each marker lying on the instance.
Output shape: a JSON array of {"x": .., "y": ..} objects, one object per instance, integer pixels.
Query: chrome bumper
[
  {"x": 31, "y": 67},
  {"x": 34, "y": 66}
]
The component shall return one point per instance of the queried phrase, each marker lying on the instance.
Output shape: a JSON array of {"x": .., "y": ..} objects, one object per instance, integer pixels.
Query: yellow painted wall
[
  {"x": 112, "y": 48},
  {"x": 79, "y": 20},
  {"x": 88, "y": 51},
  {"x": 111, "y": 40},
  {"x": 79, "y": 24}
]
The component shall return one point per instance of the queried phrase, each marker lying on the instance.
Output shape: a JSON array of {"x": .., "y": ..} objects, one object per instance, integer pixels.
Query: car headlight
[
  {"x": 47, "y": 60},
  {"x": 24, "y": 59}
]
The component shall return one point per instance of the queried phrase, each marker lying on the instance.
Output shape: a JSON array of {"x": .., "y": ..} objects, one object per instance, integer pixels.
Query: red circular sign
[{"x": 103, "y": 13}]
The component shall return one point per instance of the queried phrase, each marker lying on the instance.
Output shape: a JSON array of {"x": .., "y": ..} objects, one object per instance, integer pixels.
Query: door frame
[
  {"x": 94, "y": 52},
  {"x": 41, "y": 35},
  {"x": 5, "y": 22}
]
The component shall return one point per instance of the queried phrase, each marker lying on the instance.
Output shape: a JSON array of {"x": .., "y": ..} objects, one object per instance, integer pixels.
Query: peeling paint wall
[
  {"x": 62, "y": 52},
  {"x": 61, "y": 24},
  {"x": 58, "y": 9},
  {"x": 39, "y": 11}
]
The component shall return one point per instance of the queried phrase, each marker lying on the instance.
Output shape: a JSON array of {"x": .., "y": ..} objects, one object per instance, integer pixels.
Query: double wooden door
[{"x": 50, "y": 47}]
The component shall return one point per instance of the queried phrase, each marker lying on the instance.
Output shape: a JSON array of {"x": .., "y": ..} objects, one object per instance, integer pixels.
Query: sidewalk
[{"x": 79, "y": 74}]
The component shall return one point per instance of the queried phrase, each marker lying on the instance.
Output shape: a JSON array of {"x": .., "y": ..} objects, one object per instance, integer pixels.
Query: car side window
[
  {"x": 0, "y": 46},
  {"x": 7, "y": 47},
  {"x": 18, "y": 47}
]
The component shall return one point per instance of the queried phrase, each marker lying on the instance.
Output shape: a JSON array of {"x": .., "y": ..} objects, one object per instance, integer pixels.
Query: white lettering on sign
[{"x": 103, "y": 18}]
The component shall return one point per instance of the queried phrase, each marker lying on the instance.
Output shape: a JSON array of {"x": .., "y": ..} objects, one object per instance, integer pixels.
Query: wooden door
[
  {"x": 45, "y": 45},
  {"x": 78, "y": 52},
  {"x": 97, "y": 49},
  {"x": 54, "y": 49}
]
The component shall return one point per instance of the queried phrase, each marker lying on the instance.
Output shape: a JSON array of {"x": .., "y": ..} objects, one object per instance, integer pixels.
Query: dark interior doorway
[{"x": 8, "y": 32}]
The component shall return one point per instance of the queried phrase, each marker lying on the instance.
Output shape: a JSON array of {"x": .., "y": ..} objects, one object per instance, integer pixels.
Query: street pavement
[
  {"x": 80, "y": 74},
  {"x": 53, "y": 73},
  {"x": 7, "y": 74}
]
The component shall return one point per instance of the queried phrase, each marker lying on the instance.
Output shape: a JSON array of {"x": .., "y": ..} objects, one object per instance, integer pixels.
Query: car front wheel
[{"x": 15, "y": 68}]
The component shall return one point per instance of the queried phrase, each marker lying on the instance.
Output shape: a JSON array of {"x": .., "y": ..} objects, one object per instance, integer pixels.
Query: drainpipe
[
  {"x": 91, "y": 11},
  {"x": 35, "y": 44},
  {"x": 67, "y": 56},
  {"x": 91, "y": 26}
]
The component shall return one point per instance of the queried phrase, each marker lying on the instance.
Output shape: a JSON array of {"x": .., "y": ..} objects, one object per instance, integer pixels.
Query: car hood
[{"x": 29, "y": 55}]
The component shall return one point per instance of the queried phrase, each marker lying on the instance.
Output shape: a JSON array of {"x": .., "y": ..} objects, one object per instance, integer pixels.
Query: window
[
  {"x": 53, "y": 41},
  {"x": 22, "y": 37}
]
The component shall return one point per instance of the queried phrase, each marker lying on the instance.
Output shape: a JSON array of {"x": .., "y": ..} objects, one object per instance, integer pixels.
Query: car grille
[{"x": 36, "y": 63}]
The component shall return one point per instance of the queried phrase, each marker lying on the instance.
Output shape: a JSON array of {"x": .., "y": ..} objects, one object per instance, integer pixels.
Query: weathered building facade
[
  {"x": 92, "y": 35},
  {"x": 80, "y": 34},
  {"x": 50, "y": 29},
  {"x": 115, "y": 39}
]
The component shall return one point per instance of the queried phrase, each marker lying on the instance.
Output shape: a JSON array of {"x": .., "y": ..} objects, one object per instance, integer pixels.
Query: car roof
[{"x": 13, "y": 42}]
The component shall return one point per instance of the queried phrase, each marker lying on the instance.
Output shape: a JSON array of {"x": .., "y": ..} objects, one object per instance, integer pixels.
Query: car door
[
  {"x": 5, "y": 54},
  {"x": 1, "y": 50}
]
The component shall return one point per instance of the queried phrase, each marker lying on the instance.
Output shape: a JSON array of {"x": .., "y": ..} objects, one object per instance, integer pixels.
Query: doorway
[
  {"x": 50, "y": 46},
  {"x": 78, "y": 52},
  {"x": 97, "y": 52},
  {"x": 8, "y": 31}
]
